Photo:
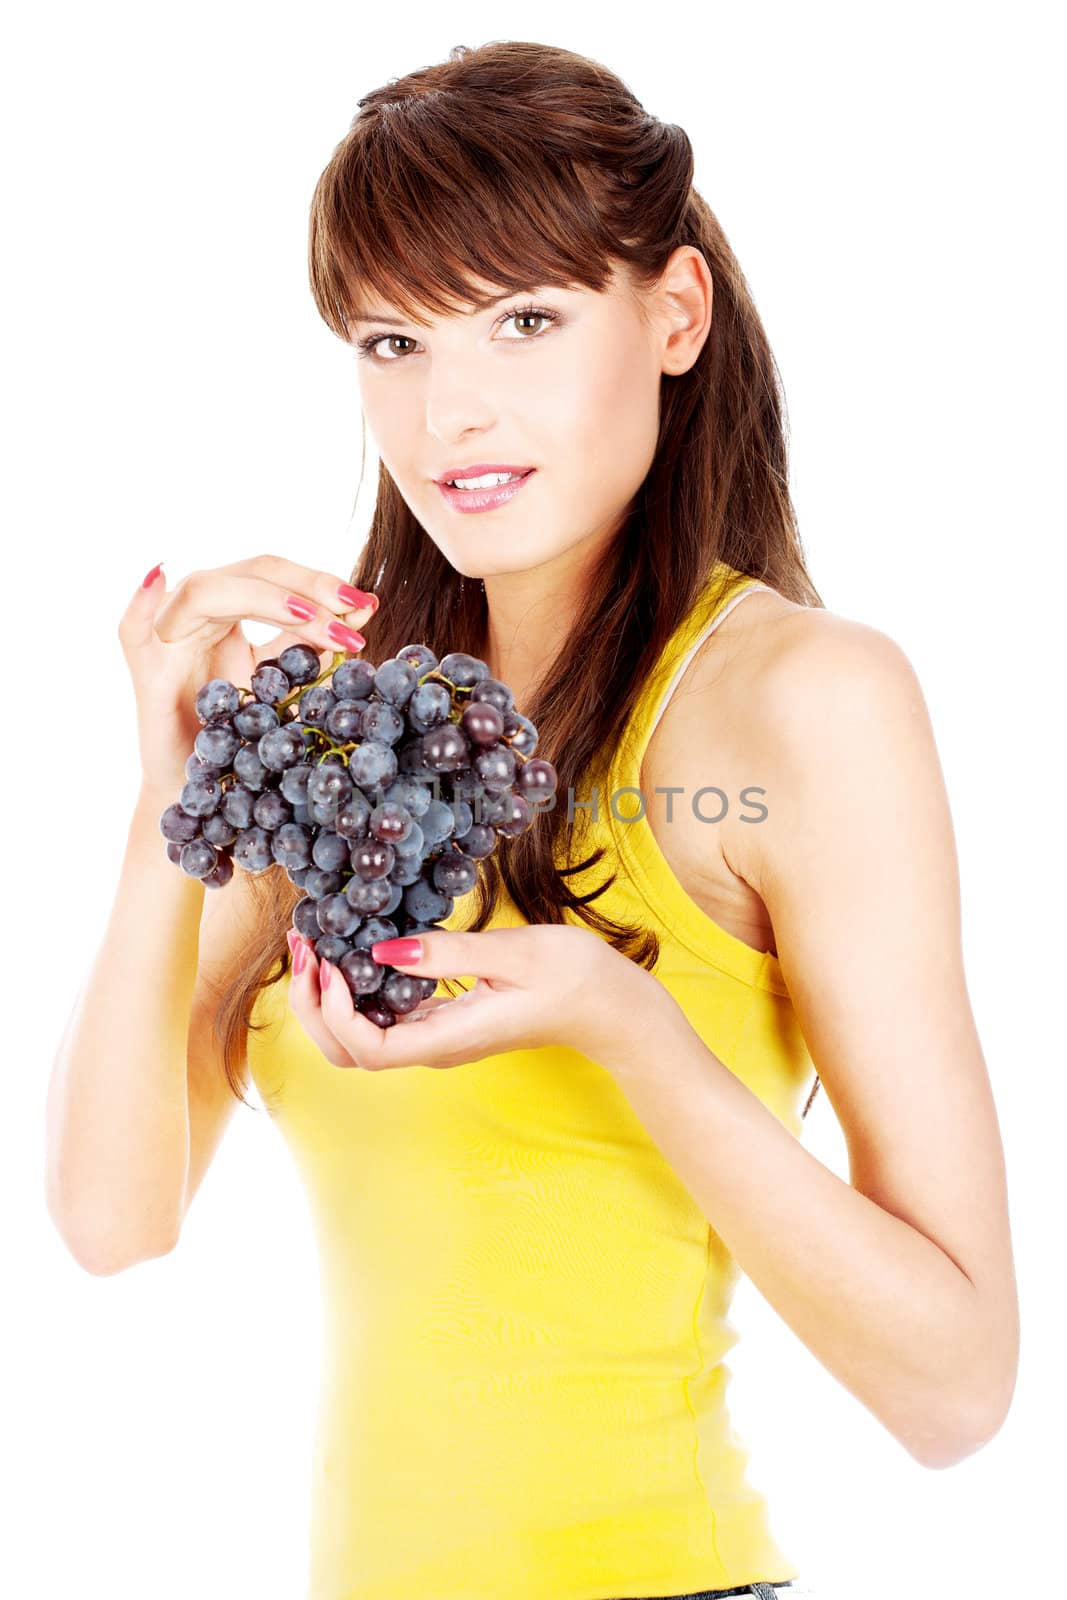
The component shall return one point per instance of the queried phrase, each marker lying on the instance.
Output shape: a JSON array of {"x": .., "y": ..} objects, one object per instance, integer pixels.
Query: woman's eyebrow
[{"x": 398, "y": 322}]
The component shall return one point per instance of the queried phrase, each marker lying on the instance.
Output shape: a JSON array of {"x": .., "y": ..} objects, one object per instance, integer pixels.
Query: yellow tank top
[{"x": 523, "y": 1387}]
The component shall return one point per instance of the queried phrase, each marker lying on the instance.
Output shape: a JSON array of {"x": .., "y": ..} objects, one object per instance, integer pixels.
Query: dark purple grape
[
  {"x": 466, "y": 785},
  {"x": 328, "y": 787},
  {"x": 306, "y": 919},
  {"x": 353, "y": 818},
  {"x": 462, "y": 670},
  {"x": 222, "y": 874},
  {"x": 252, "y": 850},
  {"x": 272, "y": 809},
  {"x": 425, "y": 903},
  {"x": 299, "y": 663},
  {"x": 520, "y": 733},
  {"x": 429, "y": 706},
  {"x": 370, "y": 896},
  {"x": 390, "y": 822},
  {"x": 361, "y": 972},
  {"x": 319, "y": 883},
  {"x": 250, "y": 769},
  {"x": 255, "y": 719},
  {"x": 394, "y": 681},
  {"x": 383, "y": 722},
  {"x": 218, "y": 698},
  {"x": 495, "y": 767},
  {"x": 270, "y": 683},
  {"x": 407, "y": 869},
  {"x": 330, "y": 850},
  {"x": 238, "y": 804},
  {"x": 336, "y": 915},
  {"x": 412, "y": 844},
  {"x": 371, "y": 858},
  {"x": 332, "y": 948},
  {"x": 291, "y": 846},
  {"x": 316, "y": 705},
  {"x": 174, "y": 851},
  {"x": 353, "y": 680},
  {"x": 438, "y": 822},
  {"x": 494, "y": 808},
  {"x": 281, "y": 747},
  {"x": 537, "y": 780},
  {"x": 294, "y": 784},
  {"x": 454, "y": 874},
  {"x": 377, "y": 1011},
  {"x": 198, "y": 858},
  {"x": 410, "y": 762},
  {"x": 219, "y": 830},
  {"x": 201, "y": 796},
  {"x": 178, "y": 825},
  {"x": 218, "y": 743},
  {"x": 373, "y": 763},
  {"x": 373, "y": 930},
  {"x": 344, "y": 720},
  {"x": 494, "y": 692},
  {"x": 420, "y": 656},
  {"x": 446, "y": 748},
  {"x": 195, "y": 768},
  {"x": 479, "y": 841},
  {"x": 517, "y": 818},
  {"x": 462, "y": 814},
  {"x": 402, "y": 992},
  {"x": 482, "y": 722}
]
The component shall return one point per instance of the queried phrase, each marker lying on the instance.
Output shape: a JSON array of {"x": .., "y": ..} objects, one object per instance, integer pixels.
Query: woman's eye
[
  {"x": 528, "y": 316},
  {"x": 369, "y": 346}
]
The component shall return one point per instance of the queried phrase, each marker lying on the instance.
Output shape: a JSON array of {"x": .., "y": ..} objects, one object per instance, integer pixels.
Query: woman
[{"x": 750, "y": 870}]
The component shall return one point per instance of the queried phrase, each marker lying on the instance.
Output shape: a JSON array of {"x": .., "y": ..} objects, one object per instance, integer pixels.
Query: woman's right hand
[{"x": 175, "y": 641}]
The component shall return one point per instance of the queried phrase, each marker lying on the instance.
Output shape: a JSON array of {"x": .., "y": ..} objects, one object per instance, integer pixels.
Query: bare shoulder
[
  {"x": 835, "y": 723},
  {"x": 753, "y": 712}
]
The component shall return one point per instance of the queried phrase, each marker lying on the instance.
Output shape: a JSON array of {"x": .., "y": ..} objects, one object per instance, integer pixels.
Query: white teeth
[{"x": 488, "y": 481}]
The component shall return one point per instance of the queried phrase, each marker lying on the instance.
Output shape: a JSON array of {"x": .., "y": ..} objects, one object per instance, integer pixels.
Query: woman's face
[{"x": 576, "y": 398}]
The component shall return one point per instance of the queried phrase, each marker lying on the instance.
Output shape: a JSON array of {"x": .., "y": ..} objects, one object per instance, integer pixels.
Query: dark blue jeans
[{"x": 764, "y": 1591}]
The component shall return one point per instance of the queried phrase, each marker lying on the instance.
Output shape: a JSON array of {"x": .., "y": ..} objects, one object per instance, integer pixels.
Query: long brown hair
[{"x": 520, "y": 164}]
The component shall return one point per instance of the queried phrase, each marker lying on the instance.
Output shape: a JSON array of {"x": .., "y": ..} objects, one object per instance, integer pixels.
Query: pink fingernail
[
  {"x": 346, "y": 636},
  {"x": 397, "y": 952},
  {"x": 356, "y": 599},
  {"x": 300, "y": 956},
  {"x": 324, "y": 974},
  {"x": 150, "y": 578},
  {"x": 299, "y": 608}
]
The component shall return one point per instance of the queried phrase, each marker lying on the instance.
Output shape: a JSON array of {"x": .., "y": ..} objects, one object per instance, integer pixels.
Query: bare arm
[
  {"x": 901, "y": 1281},
  {"x": 121, "y": 1142}
]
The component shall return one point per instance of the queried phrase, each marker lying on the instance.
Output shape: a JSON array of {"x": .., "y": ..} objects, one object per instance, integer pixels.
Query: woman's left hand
[{"x": 539, "y": 984}]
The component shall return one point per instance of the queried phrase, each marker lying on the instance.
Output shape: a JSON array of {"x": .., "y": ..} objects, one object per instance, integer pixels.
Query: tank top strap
[{"x": 724, "y": 589}]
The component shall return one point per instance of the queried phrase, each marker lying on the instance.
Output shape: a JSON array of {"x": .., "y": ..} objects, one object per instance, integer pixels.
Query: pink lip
[
  {"x": 485, "y": 499},
  {"x": 478, "y": 470}
]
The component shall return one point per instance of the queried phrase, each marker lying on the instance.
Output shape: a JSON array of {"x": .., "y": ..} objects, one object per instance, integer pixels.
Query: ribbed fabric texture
[{"x": 523, "y": 1385}]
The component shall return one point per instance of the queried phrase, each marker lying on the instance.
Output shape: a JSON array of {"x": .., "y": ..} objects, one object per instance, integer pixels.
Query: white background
[{"x": 888, "y": 178}]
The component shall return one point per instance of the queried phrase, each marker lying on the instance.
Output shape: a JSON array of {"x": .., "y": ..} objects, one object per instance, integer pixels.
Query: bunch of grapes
[{"x": 378, "y": 789}]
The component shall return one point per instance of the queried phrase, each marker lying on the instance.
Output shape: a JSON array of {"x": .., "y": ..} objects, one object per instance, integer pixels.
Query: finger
[
  {"x": 204, "y": 600},
  {"x": 304, "y": 1001},
  {"x": 324, "y": 588},
  {"x": 136, "y": 622},
  {"x": 434, "y": 1003},
  {"x": 499, "y": 954},
  {"x": 446, "y": 1036}
]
